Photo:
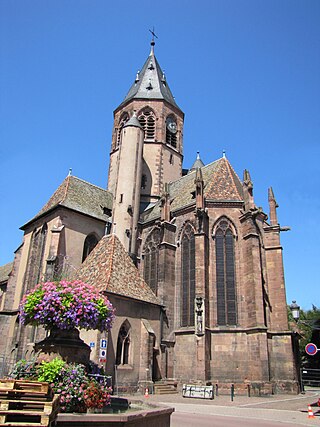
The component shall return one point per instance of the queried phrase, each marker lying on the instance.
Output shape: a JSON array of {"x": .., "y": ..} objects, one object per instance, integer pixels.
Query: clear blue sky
[{"x": 245, "y": 72}]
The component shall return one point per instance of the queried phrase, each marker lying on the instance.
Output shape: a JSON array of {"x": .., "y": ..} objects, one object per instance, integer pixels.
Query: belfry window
[
  {"x": 171, "y": 131},
  {"x": 89, "y": 244},
  {"x": 151, "y": 260},
  {"x": 123, "y": 120},
  {"x": 225, "y": 275},
  {"x": 147, "y": 121},
  {"x": 123, "y": 344},
  {"x": 188, "y": 277}
]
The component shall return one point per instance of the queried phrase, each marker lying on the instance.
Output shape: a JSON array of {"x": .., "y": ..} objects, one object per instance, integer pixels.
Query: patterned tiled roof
[
  {"x": 221, "y": 184},
  {"x": 5, "y": 270},
  {"x": 109, "y": 268},
  {"x": 81, "y": 196}
]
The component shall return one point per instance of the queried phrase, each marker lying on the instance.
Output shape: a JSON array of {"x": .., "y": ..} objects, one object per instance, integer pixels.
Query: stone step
[{"x": 165, "y": 389}]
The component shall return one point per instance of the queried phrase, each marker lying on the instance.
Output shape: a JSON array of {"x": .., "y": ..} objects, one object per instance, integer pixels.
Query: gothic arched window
[
  {"x": 188, "y": 276},
  {"x": 225, "y": 274},
  {"x": 151, "y": 260},
  {"x": 123, "y": 120},
  {"x": 147, "y": 121},
  {"x": 89, "y": 244},
  {"x": 123, "y": 344}
]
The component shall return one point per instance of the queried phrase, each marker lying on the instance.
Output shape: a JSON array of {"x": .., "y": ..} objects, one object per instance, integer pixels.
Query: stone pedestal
[{"x": 64, "y": 343}]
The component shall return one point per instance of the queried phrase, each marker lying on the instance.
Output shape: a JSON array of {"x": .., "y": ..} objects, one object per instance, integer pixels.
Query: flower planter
[{"x": 64, "y": 343}]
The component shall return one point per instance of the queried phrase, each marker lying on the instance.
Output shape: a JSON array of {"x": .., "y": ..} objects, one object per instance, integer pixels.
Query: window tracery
[
  {"x": 123, "y": 120},
  {"x": 151, "y": 259},
  {"x": 147, "y": 121},
  {"x": 187, "y": 276},
  {"x": 225, "y": 274},
  {"x": 123, "y": 344}
]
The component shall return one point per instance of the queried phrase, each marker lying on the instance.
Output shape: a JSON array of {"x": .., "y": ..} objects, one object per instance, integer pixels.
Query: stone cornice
[{"x": 273, "y": 248}]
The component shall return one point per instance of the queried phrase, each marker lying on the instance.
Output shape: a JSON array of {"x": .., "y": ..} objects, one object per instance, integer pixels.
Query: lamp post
[{"x": 295, "y": 310}]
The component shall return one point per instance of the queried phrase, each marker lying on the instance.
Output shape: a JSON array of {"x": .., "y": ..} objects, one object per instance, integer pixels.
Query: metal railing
[{"x": 309, "y": 377}]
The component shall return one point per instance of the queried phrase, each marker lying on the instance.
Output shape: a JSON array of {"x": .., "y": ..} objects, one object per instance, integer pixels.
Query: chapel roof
[
  {"x": 5, "y": 271},
  {"x": 80, "y": 196},
  {"x": 221, "y": 184},
  {"x": 150, "y": 82},
  {"x": 109, "y": 268}
]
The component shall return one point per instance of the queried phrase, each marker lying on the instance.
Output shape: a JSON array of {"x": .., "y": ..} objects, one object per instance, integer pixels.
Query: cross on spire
[{"x": 153, "y": 36}]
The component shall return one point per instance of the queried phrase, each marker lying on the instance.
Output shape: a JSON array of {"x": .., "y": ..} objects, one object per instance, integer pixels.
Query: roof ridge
[
  {"x": 211, "y": 184},
  {"x": 111, "y": 261},
  {"x": 66, "y": 190},
  {"x": 233, "y": 172},
  {"x": 90, "y": 183}
]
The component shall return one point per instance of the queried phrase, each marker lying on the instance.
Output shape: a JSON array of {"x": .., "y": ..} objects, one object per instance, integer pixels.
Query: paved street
[{"x": 250, "y": 411}]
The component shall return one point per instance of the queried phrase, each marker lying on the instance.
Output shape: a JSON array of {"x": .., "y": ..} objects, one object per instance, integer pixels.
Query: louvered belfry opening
[
  {"x": 188, "y": 277},
  {"x": 225, "y": 274},
  {"x": 123, "y": 120},
  {"x": 147, "y": 121},
  {"x": 151, "y": 260}
]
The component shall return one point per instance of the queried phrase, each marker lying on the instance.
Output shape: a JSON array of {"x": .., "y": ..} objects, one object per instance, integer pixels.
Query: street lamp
[{"x": 295, "y": 310}]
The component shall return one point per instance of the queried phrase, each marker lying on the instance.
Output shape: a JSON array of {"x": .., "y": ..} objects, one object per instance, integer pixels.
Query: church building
[{"x": 193, "y": 267}]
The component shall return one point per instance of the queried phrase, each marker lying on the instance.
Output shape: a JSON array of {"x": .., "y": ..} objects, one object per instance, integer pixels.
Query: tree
[{"x": 308, "y": 327}]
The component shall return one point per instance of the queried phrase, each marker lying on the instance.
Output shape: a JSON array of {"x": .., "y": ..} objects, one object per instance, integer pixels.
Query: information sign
[{"x": 103, "y": 343}]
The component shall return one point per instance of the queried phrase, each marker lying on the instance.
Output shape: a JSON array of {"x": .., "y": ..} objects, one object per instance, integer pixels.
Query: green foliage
[
  {"x": 50, "y": 371},
  {"x": 304, "y": 326},
  {"x": 71, "y": 382},
  {"x": 24, "y": 369}
]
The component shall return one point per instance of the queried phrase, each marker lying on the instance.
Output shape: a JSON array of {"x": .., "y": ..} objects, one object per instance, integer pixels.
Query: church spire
[{"x": 150, "y": 82}]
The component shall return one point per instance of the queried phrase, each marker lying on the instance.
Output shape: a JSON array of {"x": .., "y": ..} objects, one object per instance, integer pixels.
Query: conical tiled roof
[
  {"x": 221, "y": 184},
  {"x": 198, "y": 163},
  {"x": 109, "y": 268},
  {"x": 150, "y": 83},
  {"x": 78, "y": 195}
]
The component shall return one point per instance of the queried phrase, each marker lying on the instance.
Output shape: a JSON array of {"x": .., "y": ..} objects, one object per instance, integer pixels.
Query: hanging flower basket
[{"x": 66, "y": 305}]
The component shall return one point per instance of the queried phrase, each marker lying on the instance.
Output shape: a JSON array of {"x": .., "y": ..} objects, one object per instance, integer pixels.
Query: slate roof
[
  {"x": 5, "y": 270},
  {"x": 150, "y": 83},
  {"x": 221, "y": 184},
  {"x": 78, "y": 195},
  {"x": 109, "y": 268},
  {"x": 198, "y": 163}
]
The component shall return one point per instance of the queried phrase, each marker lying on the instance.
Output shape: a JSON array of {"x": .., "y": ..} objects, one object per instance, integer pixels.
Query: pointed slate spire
[
  {"x": 150, "y": 82},
  {"x": 197, "y": 164},
  {"x": 133, "y": 121},
  {"x": 247, "y": 191},
  {"x": 272, "y": 207}
]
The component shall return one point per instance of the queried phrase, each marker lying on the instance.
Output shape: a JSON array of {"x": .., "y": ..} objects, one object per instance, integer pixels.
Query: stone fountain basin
[{"x": 149, "y": 415}]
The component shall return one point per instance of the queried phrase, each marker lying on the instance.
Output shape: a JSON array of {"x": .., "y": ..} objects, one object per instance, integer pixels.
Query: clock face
[{"x": 171, "y": 125}]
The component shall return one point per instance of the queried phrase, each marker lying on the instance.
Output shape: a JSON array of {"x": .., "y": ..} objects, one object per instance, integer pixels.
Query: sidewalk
[{"x": 289, "y": 409}]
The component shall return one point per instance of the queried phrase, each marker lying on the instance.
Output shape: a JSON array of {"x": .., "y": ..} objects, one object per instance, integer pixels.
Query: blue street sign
[
  {"x": 103, "y": 343},
  {"x": 311, "y": 349},
  {"x": 92, "y": 344}
]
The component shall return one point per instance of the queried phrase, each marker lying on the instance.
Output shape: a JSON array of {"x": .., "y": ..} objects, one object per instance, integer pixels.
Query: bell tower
[
  {"x": 151, "y": 101},
  {"x": 146, "y": 149}
]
